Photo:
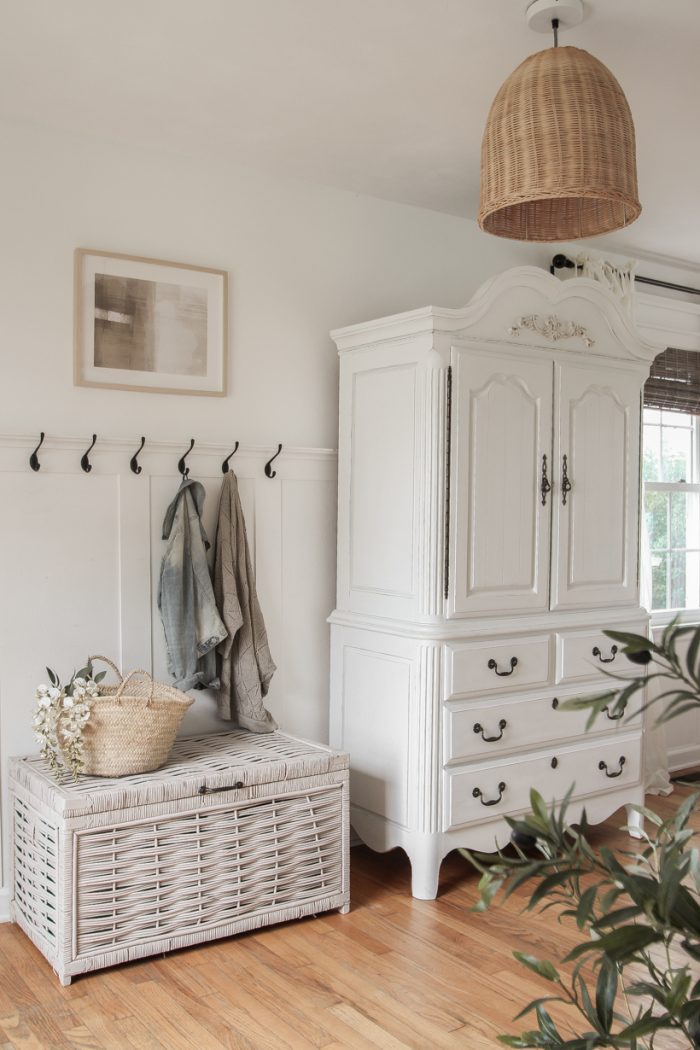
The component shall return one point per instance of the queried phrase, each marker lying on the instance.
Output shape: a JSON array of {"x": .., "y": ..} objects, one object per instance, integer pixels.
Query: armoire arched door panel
[
  {"x": 501, "y": 438},
  {"x": 596, "y": 531}
]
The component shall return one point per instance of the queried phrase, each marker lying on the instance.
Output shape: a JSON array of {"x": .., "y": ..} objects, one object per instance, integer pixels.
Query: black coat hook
[
  {"x": 34, "y": 459},
  {"x": 185, "y": 471},
  {"x": 84, "y": 461},
  {"x": 134, "y": 461},
  {"x": 269, "y": 472},
  {"x": 224, "y": 465}
]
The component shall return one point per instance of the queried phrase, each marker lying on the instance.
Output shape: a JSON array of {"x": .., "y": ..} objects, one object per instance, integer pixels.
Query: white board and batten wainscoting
[
  {"x": 488, "y": 532},
  {"x": 80, "y": 562}
]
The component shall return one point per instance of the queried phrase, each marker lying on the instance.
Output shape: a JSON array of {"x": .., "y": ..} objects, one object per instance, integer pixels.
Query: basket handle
[
  {"x": 125, "y": 681},
  {"x": 114, "y": 667}
]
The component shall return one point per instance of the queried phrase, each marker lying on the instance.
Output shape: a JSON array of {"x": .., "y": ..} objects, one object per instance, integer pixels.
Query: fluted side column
[
  {"x": 428, "y": 740},
  {"x": 432, "y": 480}
]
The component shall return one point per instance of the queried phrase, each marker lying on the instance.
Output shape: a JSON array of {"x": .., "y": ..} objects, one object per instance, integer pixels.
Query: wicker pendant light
[{"x": 558, "y": 153}]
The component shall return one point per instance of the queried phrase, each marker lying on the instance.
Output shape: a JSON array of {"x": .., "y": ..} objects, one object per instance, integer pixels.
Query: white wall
[
  {"x": 301, "y": 260},
  {"x": 80, "y": 566}
]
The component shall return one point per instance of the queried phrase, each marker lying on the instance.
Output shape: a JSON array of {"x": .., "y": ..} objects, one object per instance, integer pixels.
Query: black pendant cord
[
  {"x": 555, "y": 30},
  {"x": 561, "y": 262}
]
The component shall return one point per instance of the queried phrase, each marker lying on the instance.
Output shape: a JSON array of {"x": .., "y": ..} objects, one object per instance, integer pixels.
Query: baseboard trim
[
  {"x": 4, "y": 904},
  {"x": 682, "y": 758}
]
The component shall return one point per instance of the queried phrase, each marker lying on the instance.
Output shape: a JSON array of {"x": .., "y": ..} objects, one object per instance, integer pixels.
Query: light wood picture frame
[{"x": 149, "y": 325}]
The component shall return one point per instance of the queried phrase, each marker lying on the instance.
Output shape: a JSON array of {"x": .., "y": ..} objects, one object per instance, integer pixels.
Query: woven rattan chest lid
[{"x": 215, "y": 761}]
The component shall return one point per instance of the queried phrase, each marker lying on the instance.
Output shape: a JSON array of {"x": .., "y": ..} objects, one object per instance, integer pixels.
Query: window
[{"x": 672, "y": 506}]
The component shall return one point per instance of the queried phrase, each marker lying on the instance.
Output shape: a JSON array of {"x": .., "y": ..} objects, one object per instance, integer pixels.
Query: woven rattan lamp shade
[{"x": 558, "y": 153}]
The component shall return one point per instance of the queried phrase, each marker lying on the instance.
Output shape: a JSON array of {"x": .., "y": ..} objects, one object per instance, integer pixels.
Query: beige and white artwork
[{"x": 150, "y": 326}]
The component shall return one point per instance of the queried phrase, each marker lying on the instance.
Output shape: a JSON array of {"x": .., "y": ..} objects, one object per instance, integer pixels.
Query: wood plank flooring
[{"x": 393, "y": 973}]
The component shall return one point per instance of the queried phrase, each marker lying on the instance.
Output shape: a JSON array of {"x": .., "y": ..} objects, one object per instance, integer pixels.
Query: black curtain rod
[{"x": 561, "y": 262}]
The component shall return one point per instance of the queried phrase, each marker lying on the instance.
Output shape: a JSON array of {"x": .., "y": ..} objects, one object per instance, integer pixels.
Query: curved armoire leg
[
  {"x": 635, "y": 823},
  {"x": 425, "y": 872}
]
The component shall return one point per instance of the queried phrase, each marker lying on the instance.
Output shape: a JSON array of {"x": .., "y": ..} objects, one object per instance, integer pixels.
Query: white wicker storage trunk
[{"x": 237, "y": 831}]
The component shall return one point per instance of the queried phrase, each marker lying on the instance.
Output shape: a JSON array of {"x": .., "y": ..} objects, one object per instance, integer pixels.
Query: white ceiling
[{"x": 385, "y": 97}]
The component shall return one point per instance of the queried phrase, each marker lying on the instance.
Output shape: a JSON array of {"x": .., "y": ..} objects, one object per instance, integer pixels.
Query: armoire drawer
[
  {"x": 481, "y": 730},
  {"x": 496, "y": 665},
  {"x": 496, "y": 726},
  {"x": 484, "y": 791},
  {"x": 582, "y": 655}
]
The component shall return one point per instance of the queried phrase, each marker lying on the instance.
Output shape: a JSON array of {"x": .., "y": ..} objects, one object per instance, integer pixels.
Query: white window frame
[
  {"x": 664, "y": 321},
  {"x": 691, "y": 614}
]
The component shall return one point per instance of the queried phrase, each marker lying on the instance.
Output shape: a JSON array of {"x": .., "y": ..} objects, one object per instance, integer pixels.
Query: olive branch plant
[{"x": 631, "y": 976}]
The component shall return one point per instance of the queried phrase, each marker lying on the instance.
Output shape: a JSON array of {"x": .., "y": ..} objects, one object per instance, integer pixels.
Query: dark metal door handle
[
  {"x": 493, "y": 666},
  {"x": 617, "y": 717},
  {"x": 478, "y": 728},
  {"x": 477, "y": 793},
  {"x": 604, "y": 766},
  {"x": 545, "y": 486},
  {"x": 605, "y": 659},
  {"x": 566, "y": 485}
]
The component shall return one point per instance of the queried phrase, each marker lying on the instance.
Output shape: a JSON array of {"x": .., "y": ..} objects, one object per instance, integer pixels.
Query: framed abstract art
[{"x": 149, "y": 325}]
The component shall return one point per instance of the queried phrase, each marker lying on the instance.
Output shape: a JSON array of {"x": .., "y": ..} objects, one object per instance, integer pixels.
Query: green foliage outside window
[{"x": 667, "y": 516}]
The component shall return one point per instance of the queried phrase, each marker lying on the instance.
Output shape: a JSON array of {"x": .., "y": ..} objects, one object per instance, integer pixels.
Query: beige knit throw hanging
[{"x": 244, "y": 662}]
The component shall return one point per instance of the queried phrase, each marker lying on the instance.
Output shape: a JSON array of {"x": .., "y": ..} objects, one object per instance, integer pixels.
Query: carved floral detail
[{"x": 552, "y": 328}]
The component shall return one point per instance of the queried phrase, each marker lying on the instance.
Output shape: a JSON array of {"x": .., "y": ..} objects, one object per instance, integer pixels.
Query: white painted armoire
[{"x": 489, "y": 499}]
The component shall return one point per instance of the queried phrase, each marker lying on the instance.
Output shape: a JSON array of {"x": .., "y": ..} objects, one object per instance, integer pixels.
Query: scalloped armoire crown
[{"x": 489, "y": 499}]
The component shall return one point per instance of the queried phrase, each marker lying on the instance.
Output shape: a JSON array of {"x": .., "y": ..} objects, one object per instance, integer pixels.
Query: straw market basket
[{"x": 132, "y": 725}]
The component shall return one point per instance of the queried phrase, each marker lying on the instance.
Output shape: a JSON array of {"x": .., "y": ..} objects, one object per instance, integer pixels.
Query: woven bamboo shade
[
  {"x": 558, "y": 153},
  {"x": 674, "y": 382}
]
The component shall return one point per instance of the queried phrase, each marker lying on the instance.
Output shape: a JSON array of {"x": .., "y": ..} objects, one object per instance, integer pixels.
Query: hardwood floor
[{"x": 393, "y": 973}]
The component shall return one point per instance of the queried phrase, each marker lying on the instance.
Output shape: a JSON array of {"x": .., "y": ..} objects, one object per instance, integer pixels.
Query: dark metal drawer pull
[
  {"x": 493, "y": 666},
  {"x": 604, "y": 765},
  {"x": 555, "y": 702},
  {"x": 617, "y": 717},
  {"x": 605, "y": 659},
  {"x": 545, "y": 486},
  {"x": 204, "y": 790},
  {"x": 478, "y": 728},
  {"x": 477, "y": 793}
]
